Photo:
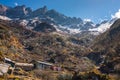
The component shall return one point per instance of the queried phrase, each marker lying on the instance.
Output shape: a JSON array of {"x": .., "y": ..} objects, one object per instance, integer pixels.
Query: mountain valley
[{"x": 82, "y": 49}]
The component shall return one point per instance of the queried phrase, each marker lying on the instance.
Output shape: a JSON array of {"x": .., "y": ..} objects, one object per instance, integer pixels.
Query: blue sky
[{"x": 96, "y": 10}]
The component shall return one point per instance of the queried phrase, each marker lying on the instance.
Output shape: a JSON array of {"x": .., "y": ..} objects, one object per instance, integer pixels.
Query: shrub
[
  {"x": 92, "y": 75},
  {"x": 64, "y": 77}
]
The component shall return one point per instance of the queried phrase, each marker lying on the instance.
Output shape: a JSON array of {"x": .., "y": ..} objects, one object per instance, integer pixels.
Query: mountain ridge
[
  {"x": 43, "y": 13},
  {"x": 63, "y": 23},
  {"x": 106, "y": 51}
]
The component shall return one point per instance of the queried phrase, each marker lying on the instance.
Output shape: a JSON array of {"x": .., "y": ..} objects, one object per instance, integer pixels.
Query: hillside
[
  {"x": 106, "y": 49},
  {"x": 23, "y": 45},
  {"x": 51, "y": 47},
  {"x": 110, "y": 37},
  {"x": 9, "y": 43}
]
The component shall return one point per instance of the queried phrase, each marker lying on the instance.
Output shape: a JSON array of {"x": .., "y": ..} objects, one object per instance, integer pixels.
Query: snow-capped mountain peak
[{"x": 105, "y": 25}]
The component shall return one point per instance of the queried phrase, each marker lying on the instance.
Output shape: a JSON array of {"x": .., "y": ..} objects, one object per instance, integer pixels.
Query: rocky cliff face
[
  {"x": 18, "y": 12},
  {"x": 44, "y": 27},
  {"x": 39, "y": 12},
  {"x": 3, "y": 9}
]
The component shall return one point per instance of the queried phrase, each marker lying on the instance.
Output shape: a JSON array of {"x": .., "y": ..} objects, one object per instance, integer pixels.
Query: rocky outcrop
[
  {"x": 18, "y": 12},
  {"x": 44, "y": 27},
  {"x": 39, "y": 12},
  {"x": 3, "y": 9}
]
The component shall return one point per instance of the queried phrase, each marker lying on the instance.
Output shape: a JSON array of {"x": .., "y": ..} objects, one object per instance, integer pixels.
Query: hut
[
  {"x": 4, "y": 69},
  {"x": 9, "y": 61},
  {"x": 24, "y": 66},
  {"x": 42, "y": 65}
]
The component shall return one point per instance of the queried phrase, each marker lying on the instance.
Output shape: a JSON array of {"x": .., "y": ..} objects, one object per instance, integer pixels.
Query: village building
[
  {"x": 30, "y": 66},
  {"x": 3, "y": 69},
  {"x": 42, "y": 65},
  {"x": 24, "y": 66},
  {"x": 10, "y": 62}
]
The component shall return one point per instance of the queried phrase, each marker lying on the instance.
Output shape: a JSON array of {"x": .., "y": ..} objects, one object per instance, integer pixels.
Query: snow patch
[
  {"x": 87, "y": 20},
  {"x": 24, "y": 22},
  {"x": 74, "y": 31},
  {"x": 66, "y": 29},
  {"x": 5, "y": 18},
  {"x": 102, "y": 28}
]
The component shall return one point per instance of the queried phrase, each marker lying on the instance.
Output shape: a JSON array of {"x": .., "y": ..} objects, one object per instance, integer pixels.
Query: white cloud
[
  {"x": 16, "y": 4},
  {"x": 116, "y": 15},
  {"x": 87, "y": 20}
]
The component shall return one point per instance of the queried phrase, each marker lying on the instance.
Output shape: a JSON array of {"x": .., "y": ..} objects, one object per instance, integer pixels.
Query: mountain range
[{"x": 72, "y": 25}]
